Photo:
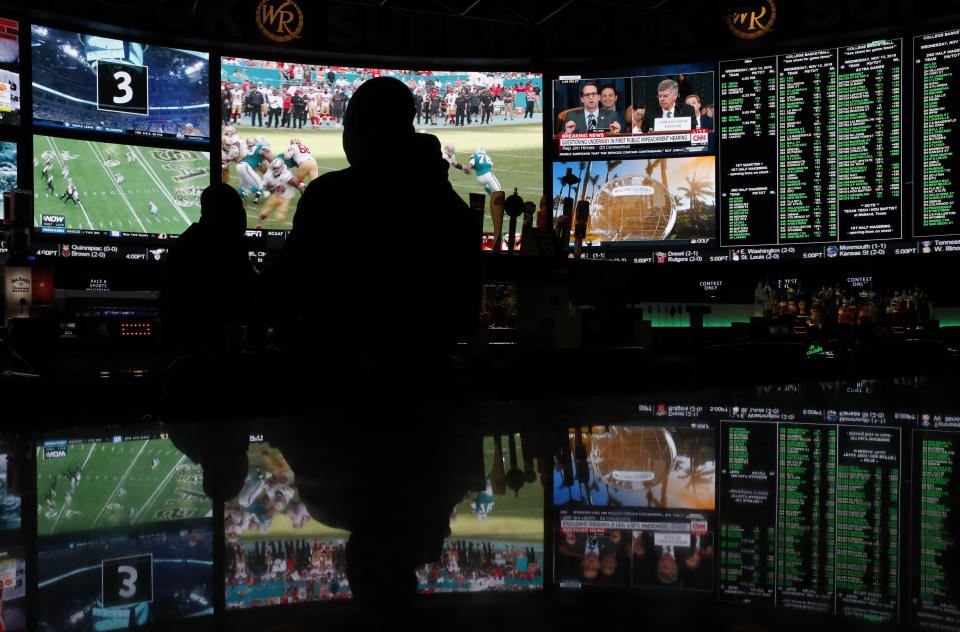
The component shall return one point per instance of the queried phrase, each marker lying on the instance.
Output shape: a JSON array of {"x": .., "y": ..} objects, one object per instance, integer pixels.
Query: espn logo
[
  {"x": 699, "y": 137},
  {"x": 52, "y": 220}
]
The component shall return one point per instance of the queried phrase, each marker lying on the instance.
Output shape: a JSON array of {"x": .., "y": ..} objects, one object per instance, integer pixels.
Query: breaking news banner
[{"x": 595, "y": 141}]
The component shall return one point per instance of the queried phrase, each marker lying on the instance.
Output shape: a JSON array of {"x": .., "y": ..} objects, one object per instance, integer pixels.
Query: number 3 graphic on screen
[
  {"x": 127, "y": 581},
  {"x": 128, "y": 584},
  {"x": 122, "y": 87}
]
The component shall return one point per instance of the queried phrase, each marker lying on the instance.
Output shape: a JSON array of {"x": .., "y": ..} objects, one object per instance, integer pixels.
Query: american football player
[
  {"x": 282, "y": 184},
  {"x": 482, "y": 164},
  {"x": 306, "y": 164}
]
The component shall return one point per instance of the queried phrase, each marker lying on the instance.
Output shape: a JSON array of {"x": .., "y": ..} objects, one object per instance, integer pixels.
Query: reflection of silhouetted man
[
  {"x": 207, "y": 275},
  {"x": 375, "y": 315}
]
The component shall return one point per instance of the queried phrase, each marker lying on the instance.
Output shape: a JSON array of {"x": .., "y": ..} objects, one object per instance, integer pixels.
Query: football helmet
[{"x": 277, "y": 166}]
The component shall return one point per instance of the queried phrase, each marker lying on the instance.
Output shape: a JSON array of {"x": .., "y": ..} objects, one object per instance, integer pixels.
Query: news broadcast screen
[
  {"x": 489, "y": 124},
  {"x": 496, "y": 533},
  {"x": 276, "y": 553},
  {"x": 9, "y": 41},
  {"x": 8, "y": 171},
  {"x": 657, "y": 111},
  {"x": 13, "y": 589},
  {"x": 125, "y": 534},
  {"x": 86, "y": 187},
  {"x": 634, "y": 506},
  {"x": 94, "y": 82},
  {"x": 10, "y": 495}
]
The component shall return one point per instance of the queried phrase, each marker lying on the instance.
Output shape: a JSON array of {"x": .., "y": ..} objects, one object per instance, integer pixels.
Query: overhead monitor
[{"x": 98, "y": 83}]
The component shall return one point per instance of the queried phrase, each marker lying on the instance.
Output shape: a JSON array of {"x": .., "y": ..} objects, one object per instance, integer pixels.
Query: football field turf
[
  {"x": 514, "y": 519},
  {"x": 516, "y": 149},
  {"x": 119, "y": 486},
  {"x": 117, "y": 183}
]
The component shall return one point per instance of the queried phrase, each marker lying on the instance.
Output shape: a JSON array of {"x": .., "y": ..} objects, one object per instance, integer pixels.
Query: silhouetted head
[
  {"x": 380, "y": 116},
  {"x": 221, "y": 208}
]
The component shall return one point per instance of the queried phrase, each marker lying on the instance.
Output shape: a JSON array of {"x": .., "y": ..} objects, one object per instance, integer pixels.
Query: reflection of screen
[
  {"x": 496, "y": 534},
  {"x": 89, "y": 187},
  {"x": 8, "y": 170},
  {"x": 115, "y": 481},
  {"x": 13, "y": 590},
  {"x": 276, "y": 553},
  {"x": 9, "y": 498},
  {"x": 634, "y": 506},
  {"x": 635, "y": 200},
  {"x": 124, "y": 530},
  {"x": 505, "y": 122},
  {"x": 811, "y": 517},
  {"x": 110, "y": 85},
  {"x": 112, "y": 582},
  {"x": 936, "y": 584}
]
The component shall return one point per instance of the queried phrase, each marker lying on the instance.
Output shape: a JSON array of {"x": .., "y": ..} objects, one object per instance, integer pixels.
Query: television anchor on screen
[
  {"x": 591, "y": 118},
  {"x": 667, "y": 107}
]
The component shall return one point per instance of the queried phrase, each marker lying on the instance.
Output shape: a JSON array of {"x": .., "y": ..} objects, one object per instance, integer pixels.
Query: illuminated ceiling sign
[
  {"x": 280, "y": 20},
  {"x": 752, "y": 21}
]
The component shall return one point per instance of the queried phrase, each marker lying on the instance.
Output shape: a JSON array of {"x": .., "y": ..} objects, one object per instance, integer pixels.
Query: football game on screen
[
  {"x": 91, "y": 187},
  {"x": 282, "y": 125}
]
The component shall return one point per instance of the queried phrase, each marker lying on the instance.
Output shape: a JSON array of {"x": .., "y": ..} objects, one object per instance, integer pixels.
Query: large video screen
[
  {"x": 125, "y": 534},
  {"x": 640, "y": 149},
  {"x": 634, "y": 506},
  {"x": 655, "y": 112},
  {"x": 90, "y": 187},
  {"x": 805, "y": 150},
  {"x": 94, "y": 82},
  {"x": 275, "y": 552},
  {"x": 489, "y": 124},
  {"x": 10, "y": 495},
  {"x": 496, "y": 533}
]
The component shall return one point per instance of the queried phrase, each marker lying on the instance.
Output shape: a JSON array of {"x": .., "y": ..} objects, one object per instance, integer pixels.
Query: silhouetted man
[
  {"x": 373, "y": 314},
  {"x": 207, "y": 276}
]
